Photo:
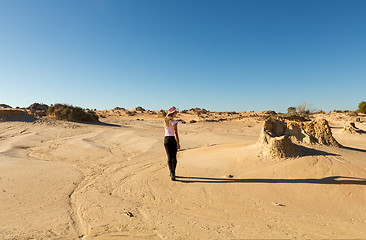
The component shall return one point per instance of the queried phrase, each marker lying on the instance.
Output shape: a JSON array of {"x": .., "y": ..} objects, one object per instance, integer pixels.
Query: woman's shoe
[{"x": 172, "y": 175}]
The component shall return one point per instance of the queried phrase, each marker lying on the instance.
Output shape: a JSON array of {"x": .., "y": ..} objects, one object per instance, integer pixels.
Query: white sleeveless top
[{"x": 169, "y": 131}]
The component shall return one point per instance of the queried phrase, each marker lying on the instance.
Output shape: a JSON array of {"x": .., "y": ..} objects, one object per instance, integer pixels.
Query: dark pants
[{"x": 170, "y": 145}]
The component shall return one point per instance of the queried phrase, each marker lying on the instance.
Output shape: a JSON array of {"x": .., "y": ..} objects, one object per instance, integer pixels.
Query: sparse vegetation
[
  {"x": 131, "y": 113},
  {"x": 304, "y": 109},
  {"x": 337, "y": 111},
  {"x": 352, "y": 113},
  {"x": 362, "y": 107},
  {"x": 140, "y": 109},
  {"x": 38, "y": 107},
  {"x": 71, "y": 113},
  {"x": 181, "y": 121},
  {"x": 5, "y": 106},
  {"x": 319, "y": 112},
  {"x": 199, "y": 111},
  {"x": 291, "y": 110},
  {"x": 162, "y": 113},
  {"x": 119, "y": 108},
  {"x": 193, "y": 121}
]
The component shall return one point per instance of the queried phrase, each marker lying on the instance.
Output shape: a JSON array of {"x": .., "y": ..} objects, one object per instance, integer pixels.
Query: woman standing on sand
[{"x": 171, "y": 140}]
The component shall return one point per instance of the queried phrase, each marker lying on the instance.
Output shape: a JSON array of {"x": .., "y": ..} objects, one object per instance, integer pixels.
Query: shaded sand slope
[{"x": 69, "y": 180}]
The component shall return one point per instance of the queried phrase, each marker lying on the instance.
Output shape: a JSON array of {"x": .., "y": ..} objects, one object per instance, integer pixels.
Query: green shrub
[
  {"x": 362, "y": 107},
  {"x": 71, "y": 113}
]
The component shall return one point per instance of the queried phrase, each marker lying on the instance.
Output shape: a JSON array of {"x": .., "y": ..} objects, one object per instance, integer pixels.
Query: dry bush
[
  {"x": 71, "y": 113},
  {"x": 38, "y": 107},
  {"x": 319, "y": 112},
  {"x": 352, "y": 113},
  {"x": 5, "y": 106},
  {"x": 162, "y": 113},
  {"x": 140, "y": 109},
  {"x": 232, "y": 113},
  {"x": 304, "y": 109},
  {"x": 131, "y": 113},
  {"x": 181, "y": 121},
  {"x": 199, "y": 111},
  {"x": 291, "y": 110}
]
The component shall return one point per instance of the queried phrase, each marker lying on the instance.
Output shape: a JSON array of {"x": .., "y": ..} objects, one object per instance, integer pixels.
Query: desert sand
[{"x": 67, "y": 180}]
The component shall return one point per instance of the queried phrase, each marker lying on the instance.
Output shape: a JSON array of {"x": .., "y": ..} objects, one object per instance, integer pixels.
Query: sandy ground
[{"x": 62, "y": 180}]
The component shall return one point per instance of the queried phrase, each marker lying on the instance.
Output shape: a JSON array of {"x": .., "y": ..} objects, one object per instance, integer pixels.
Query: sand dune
[{"x": 63, "y": 180}]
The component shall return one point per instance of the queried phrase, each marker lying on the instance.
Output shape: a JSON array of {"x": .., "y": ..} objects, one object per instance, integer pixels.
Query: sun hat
[{"x": 172, "y": 110}]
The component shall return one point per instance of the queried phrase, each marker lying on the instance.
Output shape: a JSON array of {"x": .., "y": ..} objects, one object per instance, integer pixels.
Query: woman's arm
[{"x": 176, "y": 135}]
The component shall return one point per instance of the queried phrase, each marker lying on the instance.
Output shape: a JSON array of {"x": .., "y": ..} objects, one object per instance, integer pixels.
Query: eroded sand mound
[
  {"x": 352, "y": 129},
  {"x": 316, "y": 131},
  {"x": 15, "y": 115},
  {"x": 277, "y": 136},
  {"x": 275, "y": 142}
]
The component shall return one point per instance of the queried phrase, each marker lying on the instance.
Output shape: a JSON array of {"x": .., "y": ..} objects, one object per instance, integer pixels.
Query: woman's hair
[{"x": 168, "y": 119}]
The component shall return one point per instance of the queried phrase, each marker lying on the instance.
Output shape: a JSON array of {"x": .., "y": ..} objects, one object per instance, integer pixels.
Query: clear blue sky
[{"x": 227, "y": 55}]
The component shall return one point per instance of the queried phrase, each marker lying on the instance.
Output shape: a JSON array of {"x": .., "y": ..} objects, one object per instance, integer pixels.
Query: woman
[{"x": 171, "y": 140}]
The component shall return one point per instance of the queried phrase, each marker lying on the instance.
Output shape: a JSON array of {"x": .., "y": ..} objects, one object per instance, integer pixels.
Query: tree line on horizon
[{"x": 302, "y": 109}]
